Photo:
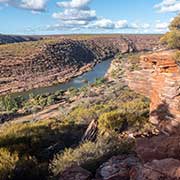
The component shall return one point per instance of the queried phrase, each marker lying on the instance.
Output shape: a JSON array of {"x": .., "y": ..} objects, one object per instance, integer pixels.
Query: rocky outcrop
[
  {"x": 4, "y": 39},
  {"x": 123, "y": 167},
  {"x": 159, "y": 80},
  {"x": 24, "y": 66},
  {"x": 158, "y": 147},
  {"x": 75, "y": 173},
  {"x": 165, "y": 169}
]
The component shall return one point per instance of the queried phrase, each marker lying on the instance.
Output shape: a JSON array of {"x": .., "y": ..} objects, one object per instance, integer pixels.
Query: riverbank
[
  {"x": 82, "y": 79},
  {"x": 46, "y": 132},
  {"x": 43, "y": 103},
  {"x": 43, "y": 63}
]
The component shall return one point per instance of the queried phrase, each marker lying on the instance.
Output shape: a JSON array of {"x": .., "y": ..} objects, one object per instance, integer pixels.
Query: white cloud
[
  {"x": 104, "y": 23},
  {"x": 168, "y": 6},
  {"x": 165, "y": 3},
  {"x": 4, "y": 1},
  {"x": 36, "y": 5},
  {"x": 134, "y": 26},
  {"x": 75, "y": 4},
  {"x": 163, "y": 25},
  {"x": 121, "y": 24},
  {"x": 74, "y": 23},
  {"x": 75, "y": 14},
  {"x": 145, "y": 26},
  {"x": 33, "y": 5}
]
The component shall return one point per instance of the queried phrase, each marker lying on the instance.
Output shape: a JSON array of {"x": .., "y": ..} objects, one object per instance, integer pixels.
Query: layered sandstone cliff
[
  {"x": 24, "y": 66},
  {"x": 4, "y": 39},
  {"x": 159, "y": 79}
]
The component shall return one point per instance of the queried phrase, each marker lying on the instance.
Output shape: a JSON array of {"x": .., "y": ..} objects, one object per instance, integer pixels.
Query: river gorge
[
  {"x": 97, "y": 72},
  {"x": 49, "y": 61}
]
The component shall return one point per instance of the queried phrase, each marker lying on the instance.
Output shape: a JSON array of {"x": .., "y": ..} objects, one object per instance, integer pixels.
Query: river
[{"x": 98, "y": 71}]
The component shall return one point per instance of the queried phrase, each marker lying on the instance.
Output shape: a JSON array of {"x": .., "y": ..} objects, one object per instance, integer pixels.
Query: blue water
[{"x": 97, "y": 72}]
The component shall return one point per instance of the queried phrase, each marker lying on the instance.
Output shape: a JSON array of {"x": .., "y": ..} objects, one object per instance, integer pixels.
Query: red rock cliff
[{"x": 159, "y": 79}]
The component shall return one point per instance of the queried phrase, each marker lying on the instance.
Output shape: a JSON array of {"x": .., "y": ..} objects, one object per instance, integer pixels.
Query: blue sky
[{"x": 86, "y": 16}]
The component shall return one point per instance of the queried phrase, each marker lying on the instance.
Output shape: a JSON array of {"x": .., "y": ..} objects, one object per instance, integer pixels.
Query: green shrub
[
  {"x": 50, "y": 100},
  {"x": 32, "y": 138},
  {"x": 31, "y": 143},
  {"x": 73, "y": 91},
  {"x": 34, "y": 103},
  {"x": 10, "y": 104},
  {"x": 135, "y": 113},
  {"x": 8, "y": 162},
  {"x": 15, "y": 166},
  {"x": 172, "y": 38},
  {"x": 175, "y": 24},
  {"x": 119, "y": 56},
  {"x": 82, "y": 114},
  {"x": 177, "y": 57},
  {"x": 99, "y": 81},
  {"x": 111, "y": 120},
  {"x": 134, "y": 62},
  {"x": 90, "y": 155}
]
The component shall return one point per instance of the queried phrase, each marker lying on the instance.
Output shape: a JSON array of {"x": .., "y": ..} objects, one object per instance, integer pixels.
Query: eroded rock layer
[
  {"x": 24, "y": 66},
  {"x": 159, "y": 79},
  {"x": 4, "y": 39}
]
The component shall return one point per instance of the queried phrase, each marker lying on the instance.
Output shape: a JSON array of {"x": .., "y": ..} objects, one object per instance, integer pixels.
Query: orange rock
[{"x": 159, "y": 79}]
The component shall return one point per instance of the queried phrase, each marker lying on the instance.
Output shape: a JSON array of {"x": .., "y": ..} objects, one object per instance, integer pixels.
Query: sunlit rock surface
[{"x": 159, "y": 79}]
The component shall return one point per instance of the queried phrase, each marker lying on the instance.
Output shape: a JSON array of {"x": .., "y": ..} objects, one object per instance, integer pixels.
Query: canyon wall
[
  {"x": 4, "y": 39},
  {"x": 28, "y": 65},
  {"x": 159, "y": 79}
]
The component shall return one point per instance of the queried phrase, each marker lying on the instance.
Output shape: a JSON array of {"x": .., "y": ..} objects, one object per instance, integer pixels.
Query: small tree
[
  {"x": 9, "y": 104},
  {"x": 175, "y": 24},
  {"x": 172, "y": 38}
]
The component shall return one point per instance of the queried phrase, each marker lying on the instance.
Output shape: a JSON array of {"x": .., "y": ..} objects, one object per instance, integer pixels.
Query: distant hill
[{"x": 5, "y": 39}]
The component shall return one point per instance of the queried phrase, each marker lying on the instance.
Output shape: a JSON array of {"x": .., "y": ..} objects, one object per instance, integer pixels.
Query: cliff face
[
  {"x": 28, "y": 65},
  {"x": 159, "y": 79},
  {"x": 4, "y": 39}
]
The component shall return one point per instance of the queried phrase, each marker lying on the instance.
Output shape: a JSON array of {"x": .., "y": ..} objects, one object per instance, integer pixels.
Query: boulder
[
  {"x": 129, "y": 167},
  {"x": 122, "y": 167},
  {"x": 75, "y": 173},
  {"x": 165, "y": 169},
  {"x": 158, "y": 147}
]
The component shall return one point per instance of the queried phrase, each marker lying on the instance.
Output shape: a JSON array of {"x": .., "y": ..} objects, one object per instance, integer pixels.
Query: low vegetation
[
  {"x": 134, "y": 62},
  {"x": 8, "y": 163},
  {"x": 25, "y": 149},
  {"x": 32, "y": 145},
  {"x": 134, "y": 114},
  {"x": 12, "y": 104},
  {"x": 9, "y": 104},
  {"x": 44, "y": 149},
  {"x": 90, "y": 155},
  {"x": 111, "y": 114},
  {"x": 172, "y": 38},
  {"x": 177, "y": 57}
]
